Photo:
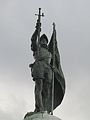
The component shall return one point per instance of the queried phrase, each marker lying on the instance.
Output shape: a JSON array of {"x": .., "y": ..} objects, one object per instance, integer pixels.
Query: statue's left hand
[{"x": 31, "y": 65}]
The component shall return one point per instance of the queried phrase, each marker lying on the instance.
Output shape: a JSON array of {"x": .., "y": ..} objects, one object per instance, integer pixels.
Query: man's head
[{"x": 43, "y": 39}]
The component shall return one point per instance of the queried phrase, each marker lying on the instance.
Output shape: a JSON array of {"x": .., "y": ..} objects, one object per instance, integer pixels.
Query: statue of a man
[{"x": 41, "y": 71}]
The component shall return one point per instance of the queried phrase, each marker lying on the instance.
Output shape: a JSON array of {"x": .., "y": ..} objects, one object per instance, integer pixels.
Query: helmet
[{"x": 43, "y": 37}]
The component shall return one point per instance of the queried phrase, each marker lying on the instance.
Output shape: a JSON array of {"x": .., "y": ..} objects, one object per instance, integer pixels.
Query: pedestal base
[{"x": 41, "y": 116}]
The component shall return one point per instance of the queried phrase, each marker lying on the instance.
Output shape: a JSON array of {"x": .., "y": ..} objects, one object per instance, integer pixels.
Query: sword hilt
[
  {"x": 40, "y": 13},
  {"x": 38, "y": 24}
]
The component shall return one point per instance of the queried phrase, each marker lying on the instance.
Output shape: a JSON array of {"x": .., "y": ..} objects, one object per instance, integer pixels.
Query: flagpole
[{"x": 53, "y": 55}]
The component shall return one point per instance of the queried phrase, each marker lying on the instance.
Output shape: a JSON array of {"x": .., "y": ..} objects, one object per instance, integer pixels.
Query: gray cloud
[{"x": 17, "y": 22}]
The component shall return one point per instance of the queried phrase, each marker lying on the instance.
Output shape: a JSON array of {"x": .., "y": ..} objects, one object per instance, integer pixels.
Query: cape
[{"x": 59, "y": 80}]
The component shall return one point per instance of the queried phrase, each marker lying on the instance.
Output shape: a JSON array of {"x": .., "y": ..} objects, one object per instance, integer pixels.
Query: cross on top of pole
[{"x": 39, "y": 15}]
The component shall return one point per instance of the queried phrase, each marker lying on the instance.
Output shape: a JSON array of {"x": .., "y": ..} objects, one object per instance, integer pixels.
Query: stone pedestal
[{"x": 41, "y": 116}]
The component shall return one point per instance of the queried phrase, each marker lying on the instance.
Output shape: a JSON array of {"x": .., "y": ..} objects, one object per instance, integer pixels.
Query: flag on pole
[{"x": 59, "y": 80}]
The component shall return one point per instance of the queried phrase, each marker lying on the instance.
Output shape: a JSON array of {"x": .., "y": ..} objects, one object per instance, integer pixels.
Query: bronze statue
[{"x": 46, "y": 70}]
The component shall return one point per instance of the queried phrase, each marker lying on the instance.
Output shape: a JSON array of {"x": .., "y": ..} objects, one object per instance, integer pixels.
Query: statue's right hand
[{"x": 38, "y": 25}]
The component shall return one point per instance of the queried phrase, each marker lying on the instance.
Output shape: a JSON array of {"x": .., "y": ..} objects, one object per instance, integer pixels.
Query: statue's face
[{"x": 43, "y": 41}]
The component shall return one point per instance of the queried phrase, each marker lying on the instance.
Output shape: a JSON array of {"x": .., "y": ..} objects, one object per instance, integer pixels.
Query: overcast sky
[{"x": 17, "y": 23}]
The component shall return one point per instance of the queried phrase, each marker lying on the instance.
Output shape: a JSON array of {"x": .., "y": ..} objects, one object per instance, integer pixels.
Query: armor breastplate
[{"x": 43, "y": 55}]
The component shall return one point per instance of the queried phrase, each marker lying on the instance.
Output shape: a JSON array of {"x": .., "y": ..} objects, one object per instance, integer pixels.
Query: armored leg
[
  {"x": 46, "y": 96},
  {"x": 38, "y": 95},
  {"x": 47, "y": 89}
]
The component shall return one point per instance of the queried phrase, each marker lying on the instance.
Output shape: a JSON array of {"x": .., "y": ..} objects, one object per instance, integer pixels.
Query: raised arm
[{"x": 34, "y": 41}]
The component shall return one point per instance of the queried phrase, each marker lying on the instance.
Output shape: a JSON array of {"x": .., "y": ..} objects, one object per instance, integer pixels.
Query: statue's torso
[{"x": 43, "y": 55}]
